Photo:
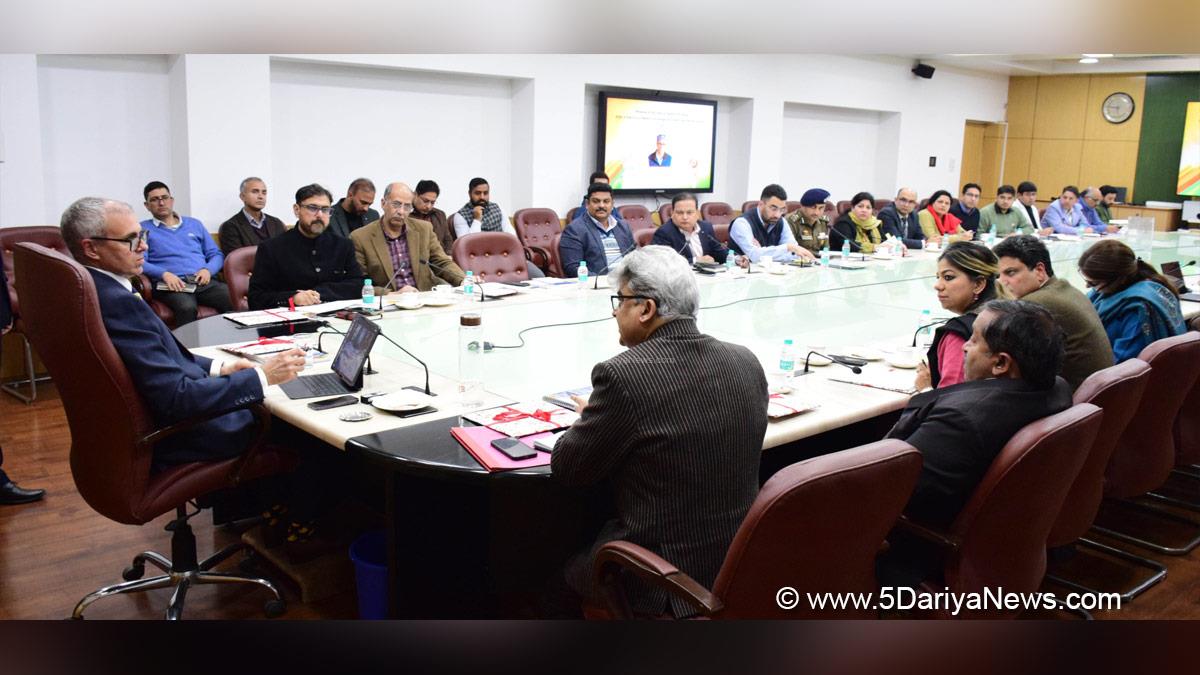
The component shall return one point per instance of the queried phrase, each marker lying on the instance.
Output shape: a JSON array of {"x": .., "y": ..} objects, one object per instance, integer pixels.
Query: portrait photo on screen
[
  {"x": 649, "y": 143},
  {"x": 1189, "y": 156}
]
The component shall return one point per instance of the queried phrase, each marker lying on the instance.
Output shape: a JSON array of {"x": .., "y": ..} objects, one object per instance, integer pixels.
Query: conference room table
[{"x": 457, "y": 532}]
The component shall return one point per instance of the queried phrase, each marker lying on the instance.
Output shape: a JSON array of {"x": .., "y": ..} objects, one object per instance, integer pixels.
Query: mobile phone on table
[
  {"x": 333, "y": 402},
  {"x": 513, "y": 449}
]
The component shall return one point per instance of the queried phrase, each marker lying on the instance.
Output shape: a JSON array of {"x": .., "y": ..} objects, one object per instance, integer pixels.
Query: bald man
[
  {"x": 399, "y": 252},
  {"x": 900, "y": 219}
]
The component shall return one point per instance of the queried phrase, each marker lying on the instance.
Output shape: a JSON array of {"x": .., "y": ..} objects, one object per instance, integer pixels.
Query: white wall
[
  {"x": 526, "y": 122},
  {"x": 832, "y": 148},
  {"x": 332, "y": 124},
  {"x": 105, "y": 128}
]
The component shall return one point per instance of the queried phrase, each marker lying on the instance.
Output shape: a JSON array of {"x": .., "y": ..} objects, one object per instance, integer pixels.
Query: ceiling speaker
[{"x": 922, "y": 70}]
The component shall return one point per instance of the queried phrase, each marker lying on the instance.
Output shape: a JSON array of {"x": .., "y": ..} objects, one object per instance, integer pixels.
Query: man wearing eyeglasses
[
  {"x": 308, "y": 264},
  {"x": 900, "y": 219},
  {"x": 399, "y": 252},
  {"x": 678, "y": 447},
  {"x": 182, "y": 258},
  {"x": 761, "y": 232},
  {"x": 426, "y": 197}
]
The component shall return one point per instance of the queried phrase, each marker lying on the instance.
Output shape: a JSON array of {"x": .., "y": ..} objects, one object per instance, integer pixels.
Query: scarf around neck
[
  {"x": 866, "y": 232},
  {"x": 947, "y": 224}
]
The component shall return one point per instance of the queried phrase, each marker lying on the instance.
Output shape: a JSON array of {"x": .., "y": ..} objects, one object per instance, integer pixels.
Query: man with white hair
[{"x": 675, "y": 424}]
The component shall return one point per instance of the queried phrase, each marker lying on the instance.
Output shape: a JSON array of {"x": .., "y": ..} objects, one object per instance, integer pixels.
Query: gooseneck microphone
[
  {"x": 928, "y": 325},
  {"x": 370, "y": 371},
  {"x": 367, "y": 369},
  {"x": 835, "y": 359},
  {"x": 604, "y": 270},
  {"x": 442, "y": 268}
]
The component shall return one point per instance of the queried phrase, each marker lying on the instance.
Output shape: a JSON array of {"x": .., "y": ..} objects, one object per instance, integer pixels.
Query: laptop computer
[
  {"x": 1173, "y": 272},
  {"x": 347, "y": 375}
]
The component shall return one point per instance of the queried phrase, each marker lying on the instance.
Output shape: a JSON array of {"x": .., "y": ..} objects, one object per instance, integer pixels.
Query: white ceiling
[{"x": 1063, "y": 64}]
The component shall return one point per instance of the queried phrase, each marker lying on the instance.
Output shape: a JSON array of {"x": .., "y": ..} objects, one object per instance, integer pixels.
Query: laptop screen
[
  {"x": 356, "y": 346},
  {"x": 1172, "y": 271}
]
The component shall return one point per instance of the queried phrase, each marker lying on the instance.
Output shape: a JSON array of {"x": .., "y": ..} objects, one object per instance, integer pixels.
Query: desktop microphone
[
  {"x": 836, "y": 359},
  {"x": 928, "y": 325},
  {"x": 604, "y": 270},
  {"x": 370, "y": 371}
]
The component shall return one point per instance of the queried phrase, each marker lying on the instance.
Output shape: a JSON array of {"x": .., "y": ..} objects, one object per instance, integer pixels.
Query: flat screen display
[
  {"x": 656, "y": 144},
  {"x": 1189, "y": 157}
]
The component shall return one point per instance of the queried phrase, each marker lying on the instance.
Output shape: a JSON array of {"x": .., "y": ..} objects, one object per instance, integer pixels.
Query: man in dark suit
[
  {"x": 308, "y": 264},
  {"x": 596, "y": 236},
  {"x": 353, "y": 211},
  {"x": 174, "y": 383},
  {"x": 10, "y": 492},
  {"x": 679, "y": 446},
  {"x": 689, "y": 236},
  {"x": 900, "y": 219},
  {"x": 250, "y": 226},
  {"x": 1011, "y": 366}
]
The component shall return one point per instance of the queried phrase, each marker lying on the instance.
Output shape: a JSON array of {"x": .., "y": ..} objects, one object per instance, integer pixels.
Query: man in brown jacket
[{"x": 400, "y": 251}]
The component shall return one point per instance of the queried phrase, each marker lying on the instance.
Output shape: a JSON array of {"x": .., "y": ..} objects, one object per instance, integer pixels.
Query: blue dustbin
[{"x": 369, "y": 555}]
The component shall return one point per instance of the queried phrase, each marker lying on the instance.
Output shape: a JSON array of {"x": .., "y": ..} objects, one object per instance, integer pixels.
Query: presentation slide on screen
[
  {"x": 658, "y": 145},
  {"x": 1189, "y": 158}
]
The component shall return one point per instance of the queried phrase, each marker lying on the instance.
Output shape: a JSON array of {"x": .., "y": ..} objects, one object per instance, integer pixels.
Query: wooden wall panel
[
  {"x": 1016, "y": 160},
  {"x": 1100, "y": 129},
  {"x": 989, "y": 170},
  {"x": 1054, "y": 164},
  {"x": 1108, "y": 162},
  {"x": 972, "y": 153},
  {"x": 1061, "y": 107},
  {"x": 1022, "y": 101}
]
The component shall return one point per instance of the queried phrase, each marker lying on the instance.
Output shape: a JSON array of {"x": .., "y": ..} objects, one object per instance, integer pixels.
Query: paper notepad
[
  {"x": 265, "y": 317},
  {"x": 898, "y": 380}
]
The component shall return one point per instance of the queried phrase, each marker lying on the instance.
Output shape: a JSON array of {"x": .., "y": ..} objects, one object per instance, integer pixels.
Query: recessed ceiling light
[
  {"x": 1097, "y": 56},
  {"x": 1089, "y": 60}
]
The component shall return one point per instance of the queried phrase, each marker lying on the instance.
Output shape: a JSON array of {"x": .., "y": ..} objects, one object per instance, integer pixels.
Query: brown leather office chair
[
  {"x": 637, "y": 216},
  {"x": 1145, "y": 454},
  {"x": 536, "y": 229},
  {"x": 881, "y": 204},
  {"x": 1117, "y": 390},
  {"x": 721, "y": 232},
  {"x": 50, "y": 237},
  {"x": 793, "y": 206},
  {"x": 143, "y": 285},
  {"x": 843, "y": 206},
  {"x": 642, "y": 237},
  {"x": 999, "y": 537},
  {"x": 746, "y": 206},
  {"x": 815, "y": 526},
  {"x": 574, "y": 213},
  {"x": 664, "y": 213},
  {"x": 717, "y": 213},
  {"x": 239, "y": 265},
  {"x": 830, "y": 211},
  {"x": 492, "y": 256},
  {"x": 112, "y": 470}
]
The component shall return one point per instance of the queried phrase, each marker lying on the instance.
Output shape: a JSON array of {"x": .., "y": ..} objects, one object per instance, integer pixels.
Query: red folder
[{"x": 478, "y": 442}]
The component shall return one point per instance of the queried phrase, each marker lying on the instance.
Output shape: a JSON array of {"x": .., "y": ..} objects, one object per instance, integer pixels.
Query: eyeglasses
[
  {"x": 400, "y": 206},
  {"x": 132, "y": 241},
  {"x": 314, "y": 209},
  {"x": 161, "y": 199},
  {"x": 617, "y": 299}
]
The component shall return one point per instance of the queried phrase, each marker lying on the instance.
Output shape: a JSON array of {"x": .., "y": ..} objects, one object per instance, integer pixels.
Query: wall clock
[{"x": 1117, "y": 107}]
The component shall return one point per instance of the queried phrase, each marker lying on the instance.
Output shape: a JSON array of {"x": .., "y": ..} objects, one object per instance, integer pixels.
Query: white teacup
[{"x": 905, "y": 357}]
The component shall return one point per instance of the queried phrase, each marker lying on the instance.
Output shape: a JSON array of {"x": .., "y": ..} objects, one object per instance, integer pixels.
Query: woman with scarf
[
  {"x": 1136, "y": 304},
  {"x": 859, "y": 225},
  {"x": 938, "y": 223},
  {"x": 966, "y": 281}
]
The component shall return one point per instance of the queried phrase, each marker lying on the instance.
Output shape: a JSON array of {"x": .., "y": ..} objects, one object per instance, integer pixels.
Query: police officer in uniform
[{"x": 809, "y": 225}]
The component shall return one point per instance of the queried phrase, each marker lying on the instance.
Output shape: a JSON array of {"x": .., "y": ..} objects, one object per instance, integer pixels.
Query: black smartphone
[
  {"x": 333, "y": 402},
  {"x": 415, "y": 412},
  {"x": 513, "y": 448},
  {"x": 849, "y": 360}
]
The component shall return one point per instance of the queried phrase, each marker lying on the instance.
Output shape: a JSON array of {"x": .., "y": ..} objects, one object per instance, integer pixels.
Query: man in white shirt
[{"x": 761, "y": 232}]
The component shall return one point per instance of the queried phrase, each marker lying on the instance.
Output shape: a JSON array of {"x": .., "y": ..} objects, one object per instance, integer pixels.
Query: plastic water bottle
[
  {"x": 730, "y": 263},
  {"x": 469, "y": 286},
  {"x": 845, "y": 249},
  {"x": 582, "y": 274},
  {"x": 368, "y": 295},
  {"x": 825, "y": 256},
  {"x": 787, "y": 359},
  {"x": 470, "y": 360},
  {"x": 924, "y": 330}
]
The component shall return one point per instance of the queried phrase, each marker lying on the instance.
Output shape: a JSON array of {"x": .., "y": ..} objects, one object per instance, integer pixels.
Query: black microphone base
[
  {"x": 803, "y": 372},
  {"x": 420, "y": 389}
]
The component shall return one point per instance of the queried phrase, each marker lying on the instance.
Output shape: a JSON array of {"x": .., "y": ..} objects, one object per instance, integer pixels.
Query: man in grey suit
[{"x": 675, "y": 425}]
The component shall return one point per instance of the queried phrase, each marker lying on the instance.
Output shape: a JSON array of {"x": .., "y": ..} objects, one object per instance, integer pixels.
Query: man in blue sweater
[{"x": 181, "y": 252}]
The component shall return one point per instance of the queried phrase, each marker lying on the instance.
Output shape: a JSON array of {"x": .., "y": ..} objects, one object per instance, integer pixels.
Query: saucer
[
  {"x": 409, "y": 304},
  {"x": 438, "y": 300},
  {"x": 401, "y": 401}
]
